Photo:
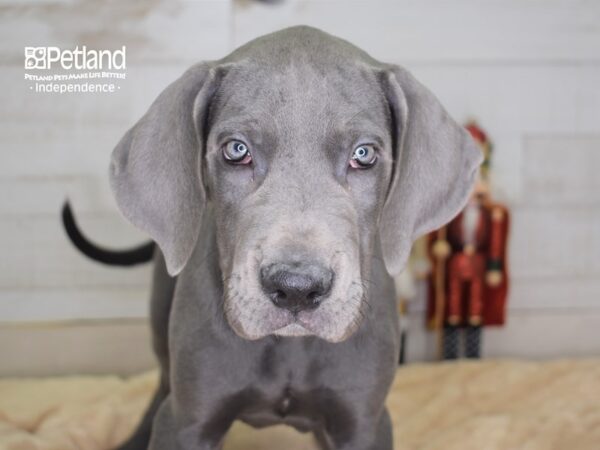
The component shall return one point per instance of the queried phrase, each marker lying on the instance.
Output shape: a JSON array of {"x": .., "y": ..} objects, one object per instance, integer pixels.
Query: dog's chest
[
  {"x": 291, "y": 389},
  {"x": 286, "y": 408},
  {"x": 305, "y": 411}
]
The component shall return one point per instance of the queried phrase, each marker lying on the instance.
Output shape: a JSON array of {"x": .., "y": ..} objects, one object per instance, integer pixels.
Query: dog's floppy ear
[
  {"x": 155, "y": 171},
  {"x": 435, "y": 165}
]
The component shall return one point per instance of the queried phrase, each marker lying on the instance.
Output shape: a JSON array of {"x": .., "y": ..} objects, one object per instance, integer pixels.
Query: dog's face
[
  {"x": 298, "y": 165},
  {"x": 312, "y": 154}
]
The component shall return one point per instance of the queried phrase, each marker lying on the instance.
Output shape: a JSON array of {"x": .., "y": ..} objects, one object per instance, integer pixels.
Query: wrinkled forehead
[{"x": 302, "y": 98}]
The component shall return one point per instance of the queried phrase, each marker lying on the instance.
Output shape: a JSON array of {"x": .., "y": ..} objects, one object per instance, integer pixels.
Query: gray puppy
[{"x": 283, "y": 184}]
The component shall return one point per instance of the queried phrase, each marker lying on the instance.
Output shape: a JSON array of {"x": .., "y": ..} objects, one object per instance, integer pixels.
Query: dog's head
[{"x": 314, "y": 157}]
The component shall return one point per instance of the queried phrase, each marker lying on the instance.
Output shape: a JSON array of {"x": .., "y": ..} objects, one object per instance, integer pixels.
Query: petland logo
[
  {"x": 51, "y": 70},
  {"x": 42, "y": 58}
]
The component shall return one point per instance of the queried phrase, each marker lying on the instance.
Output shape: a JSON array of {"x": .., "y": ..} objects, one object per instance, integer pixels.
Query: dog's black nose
[{"x": 296, "y": 287}]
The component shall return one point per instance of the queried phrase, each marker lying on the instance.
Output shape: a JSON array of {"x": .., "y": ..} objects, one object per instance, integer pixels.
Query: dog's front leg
[
  {"x": 204, "y": 397},
  {"x": 383, "y": 438},
  {"x": 367, "y": 434},
  {"x": 174, "y": 431}
]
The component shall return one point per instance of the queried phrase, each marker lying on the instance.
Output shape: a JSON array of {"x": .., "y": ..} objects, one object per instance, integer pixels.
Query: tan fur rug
[{"x": 490, "y": 405}]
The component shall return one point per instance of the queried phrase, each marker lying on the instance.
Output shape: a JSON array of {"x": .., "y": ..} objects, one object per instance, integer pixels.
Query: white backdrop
[{"x": 528, "y": 71}]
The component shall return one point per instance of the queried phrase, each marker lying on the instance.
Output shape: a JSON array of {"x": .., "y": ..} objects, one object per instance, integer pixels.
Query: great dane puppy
[{"x": 283, "y": 185}]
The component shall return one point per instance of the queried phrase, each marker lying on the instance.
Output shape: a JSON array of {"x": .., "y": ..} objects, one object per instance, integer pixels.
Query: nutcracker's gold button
[
  {"x": 453, "y": 320},
  {"x": 497, "y": 214},
  {"x": 441, "y": 249},
  {"x": 475, "y": 320},
  {"x": 469, "y": 249}
]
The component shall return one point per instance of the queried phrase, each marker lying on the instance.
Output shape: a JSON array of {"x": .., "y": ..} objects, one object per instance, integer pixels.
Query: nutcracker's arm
[{"x": 497, "y": 246}]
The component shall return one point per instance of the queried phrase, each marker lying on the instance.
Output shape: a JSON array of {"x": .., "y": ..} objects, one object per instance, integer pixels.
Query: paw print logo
[{"x": 35, "y": 57}]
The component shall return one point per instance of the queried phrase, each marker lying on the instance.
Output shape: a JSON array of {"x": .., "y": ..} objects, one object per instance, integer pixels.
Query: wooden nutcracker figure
[{"x": 469, "y": 277}]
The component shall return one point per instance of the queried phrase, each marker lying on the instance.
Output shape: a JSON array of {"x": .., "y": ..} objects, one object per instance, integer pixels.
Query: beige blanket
[{"x": 489, "y": 405}]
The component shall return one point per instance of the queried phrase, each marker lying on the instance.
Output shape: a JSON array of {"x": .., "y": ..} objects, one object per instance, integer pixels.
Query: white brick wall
[{"x": 529, "y": 71}]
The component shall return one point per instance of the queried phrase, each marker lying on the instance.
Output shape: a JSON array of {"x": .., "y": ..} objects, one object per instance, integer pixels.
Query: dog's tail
[{"x": 131, "y": 257}]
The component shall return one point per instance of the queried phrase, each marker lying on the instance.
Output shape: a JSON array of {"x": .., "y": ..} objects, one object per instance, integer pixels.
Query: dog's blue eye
[
  {"x": 363, "y": 157},
  {"x": 236, "y": 152}
]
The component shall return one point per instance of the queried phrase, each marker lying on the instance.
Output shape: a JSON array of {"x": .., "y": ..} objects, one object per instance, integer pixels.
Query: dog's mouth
[
  {"x": 299, "y": 324},
  {"x": 293, "y": 329},
  {"x": 271, "y": 321},
  {"x": 334, "y": 321}
]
